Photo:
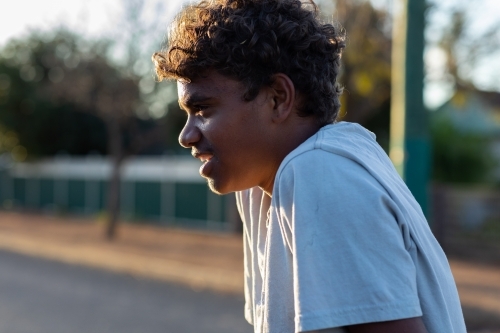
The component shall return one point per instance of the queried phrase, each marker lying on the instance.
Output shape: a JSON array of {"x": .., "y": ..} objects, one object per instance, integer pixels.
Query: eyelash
[{"x": 199, "y": 109}]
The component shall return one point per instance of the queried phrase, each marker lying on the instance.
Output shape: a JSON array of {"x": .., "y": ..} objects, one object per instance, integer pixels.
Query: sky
[
  {"x": 89, "y": 17},
  {"x": 101, "y": 18}
]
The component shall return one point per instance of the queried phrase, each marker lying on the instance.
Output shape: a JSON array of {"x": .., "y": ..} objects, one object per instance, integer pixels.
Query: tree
[
  {"x": 465, "y": 46},
  {"x": 59, "y": 80},
  {"x": 110, "y": 82},
  {"x": 366, "y": 65},
  {"x": 42, "y": 125},
  {"x": 459, "y": 157}
]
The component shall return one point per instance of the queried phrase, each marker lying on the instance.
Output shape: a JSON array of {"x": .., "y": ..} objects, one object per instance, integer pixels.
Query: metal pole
[
  {"x": 410, "y": 144},
  {"x": 398, "y": 84}
]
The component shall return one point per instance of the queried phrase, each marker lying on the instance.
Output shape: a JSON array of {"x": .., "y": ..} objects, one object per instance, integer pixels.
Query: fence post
[
  {"x": 213, "y": 207},
  {"x": 8, "y": 189},
  {"x": 32, "y": 189},
  {"x": 167, "y": 200},
  {"x": 61, "y": 193}
]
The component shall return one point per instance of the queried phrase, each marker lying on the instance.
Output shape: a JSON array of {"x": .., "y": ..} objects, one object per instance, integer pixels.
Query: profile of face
[{"x": 231, "y": 136}]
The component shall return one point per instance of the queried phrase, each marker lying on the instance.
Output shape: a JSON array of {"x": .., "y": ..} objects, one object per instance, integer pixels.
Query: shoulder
[
  {"x": 333, "y": 146},
  {"x": 318, "y": 168},
  {"x": 319, "y": 181},
  {"x": 342, "y": 154},
  {"x": 314, "y": 158}
]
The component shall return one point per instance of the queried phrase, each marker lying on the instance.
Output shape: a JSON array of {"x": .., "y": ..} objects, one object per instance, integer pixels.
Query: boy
[{"x": 333, "y": 239}]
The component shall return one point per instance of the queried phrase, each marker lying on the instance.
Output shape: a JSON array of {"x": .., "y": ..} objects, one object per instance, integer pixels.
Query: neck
[{"x": 287, "y": 141}]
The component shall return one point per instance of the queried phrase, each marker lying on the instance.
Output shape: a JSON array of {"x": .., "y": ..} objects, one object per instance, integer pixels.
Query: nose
[{"x": 190, "y": 134}]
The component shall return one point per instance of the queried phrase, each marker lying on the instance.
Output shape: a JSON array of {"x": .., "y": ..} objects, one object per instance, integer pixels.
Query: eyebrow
[{"x": 193, "y": 99}]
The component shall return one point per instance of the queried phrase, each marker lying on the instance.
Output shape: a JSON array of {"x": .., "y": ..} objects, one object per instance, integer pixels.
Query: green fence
[{"x": 155, "y": 190}]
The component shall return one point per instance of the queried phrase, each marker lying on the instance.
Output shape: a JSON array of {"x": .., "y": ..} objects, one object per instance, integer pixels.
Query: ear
[{"x": 283, "y": 94}]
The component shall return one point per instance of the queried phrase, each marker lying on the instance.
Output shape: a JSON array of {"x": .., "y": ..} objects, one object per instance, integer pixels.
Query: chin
[
  {"x": 221, "y": 186},
  {"x": 215, "y": 187}
]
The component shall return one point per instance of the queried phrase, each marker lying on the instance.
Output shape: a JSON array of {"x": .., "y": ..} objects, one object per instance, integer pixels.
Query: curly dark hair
[{"x": 251, "y": 40}]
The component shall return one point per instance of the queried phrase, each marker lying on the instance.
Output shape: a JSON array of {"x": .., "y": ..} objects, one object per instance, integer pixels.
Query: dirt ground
[{"x": 198, "y": 259}]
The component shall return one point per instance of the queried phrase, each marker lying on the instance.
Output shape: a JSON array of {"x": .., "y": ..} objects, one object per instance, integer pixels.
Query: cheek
[
  {"x": 236, "y": 133},
  {"x": 218, "y": 130}
]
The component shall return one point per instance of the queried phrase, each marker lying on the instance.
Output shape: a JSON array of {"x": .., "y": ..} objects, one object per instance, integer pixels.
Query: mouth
[{"x": 205, "y": 158}]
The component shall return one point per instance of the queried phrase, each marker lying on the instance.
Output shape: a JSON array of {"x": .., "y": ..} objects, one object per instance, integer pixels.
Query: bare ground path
[
  {"x": 198, "y": 259},
  {"x": 46, "y": 296}
]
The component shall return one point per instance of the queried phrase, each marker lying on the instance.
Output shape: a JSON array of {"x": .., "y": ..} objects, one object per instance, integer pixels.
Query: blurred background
[{"x": 89, "y": 159}]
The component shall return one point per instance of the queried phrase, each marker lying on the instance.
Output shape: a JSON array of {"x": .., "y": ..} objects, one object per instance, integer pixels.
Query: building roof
[{"x": 473, "y": 111}]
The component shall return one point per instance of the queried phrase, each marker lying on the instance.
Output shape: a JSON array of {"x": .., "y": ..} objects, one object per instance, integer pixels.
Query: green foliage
[
  {"x": 366, "y": 66},
  {"x": 465, "y": 48},
  {"x": 460, "y": 157},
  {"x": 61, "y": 93},
  {"x": 35, "y": 72}
]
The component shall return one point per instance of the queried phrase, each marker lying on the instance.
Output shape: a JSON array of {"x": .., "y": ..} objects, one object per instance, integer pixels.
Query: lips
[{"x": 206, "y": 159}]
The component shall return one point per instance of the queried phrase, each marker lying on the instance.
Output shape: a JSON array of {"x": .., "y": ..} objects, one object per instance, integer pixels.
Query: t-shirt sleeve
[{"x": 350, "y": 263}]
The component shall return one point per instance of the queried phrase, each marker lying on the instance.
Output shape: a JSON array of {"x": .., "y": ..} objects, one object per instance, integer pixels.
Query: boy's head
[
  {"x": 256, "y": 78},
  {"x": 250, "y": 40}
]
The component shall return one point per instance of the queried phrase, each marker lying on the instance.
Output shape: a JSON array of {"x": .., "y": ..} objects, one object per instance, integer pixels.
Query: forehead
[{"x": 212, "y": 85}]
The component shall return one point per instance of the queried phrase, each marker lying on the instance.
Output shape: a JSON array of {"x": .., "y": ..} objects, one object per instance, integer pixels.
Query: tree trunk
[{"x": 116, "y": 152}]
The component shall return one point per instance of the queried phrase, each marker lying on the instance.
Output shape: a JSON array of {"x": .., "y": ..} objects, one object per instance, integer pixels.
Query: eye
[
  {"x": 200, "y": 107},
  {"x": 200, "y": 110}
]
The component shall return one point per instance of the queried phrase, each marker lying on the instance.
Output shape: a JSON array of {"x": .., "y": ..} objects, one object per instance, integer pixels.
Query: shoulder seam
[{"x": 282, "y": 167}]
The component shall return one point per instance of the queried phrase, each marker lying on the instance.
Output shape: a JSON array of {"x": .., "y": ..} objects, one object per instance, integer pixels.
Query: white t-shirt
[{"x": 342, "y": 242}]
